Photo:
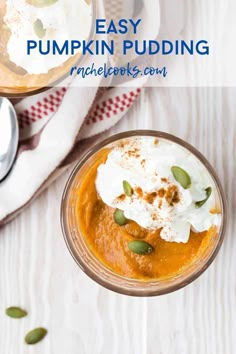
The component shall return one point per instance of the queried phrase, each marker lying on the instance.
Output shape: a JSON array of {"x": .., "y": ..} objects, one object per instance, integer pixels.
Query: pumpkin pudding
[
  {"x": 44, "y": 21},
  {"x": 146, "y": 208}
]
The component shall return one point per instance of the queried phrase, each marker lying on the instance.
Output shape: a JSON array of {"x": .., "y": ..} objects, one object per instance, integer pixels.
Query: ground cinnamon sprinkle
[
  {"x": 154, "y": 217},
  {"x": 133, "y": 153},
  {"x": 121, "y": 197},
  {"x": 161, "y": 192},
  {"x": 165, "y": 180},
  {"x": 172, "y": 195},
  {"x": 139, "y": 192},
  {"x": 143, "y": 163},
  {"x": 156, "y": 141},
  {"x": 149, "y": 197},
  {"x": 123, "y": 143}
]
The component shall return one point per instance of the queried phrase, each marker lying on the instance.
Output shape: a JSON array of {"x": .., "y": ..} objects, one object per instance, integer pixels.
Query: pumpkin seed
[
  {"x": 140, "y": 247},
  {"x": 35, "y": 336},
  {"x": 39, "y": 29},
  {"x": 15, "y": 312},
  {"x": 41, "y": 3},
  {"x": 119, "y": 217},
  {"x": 181, "y": 176},
  {"x": 202, "y": 202},
  {"x": 127, "y": 189}
]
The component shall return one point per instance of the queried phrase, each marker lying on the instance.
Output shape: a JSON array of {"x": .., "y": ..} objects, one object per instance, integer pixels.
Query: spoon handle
[
  {"x": 2, "y": 157},
  {"x": 9, "y": 137}
]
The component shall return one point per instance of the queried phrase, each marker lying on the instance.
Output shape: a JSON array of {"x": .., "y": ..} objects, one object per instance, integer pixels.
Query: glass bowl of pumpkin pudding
[
  {"x": 27, "y": 69},
  {"x": 143, "y": 213}
]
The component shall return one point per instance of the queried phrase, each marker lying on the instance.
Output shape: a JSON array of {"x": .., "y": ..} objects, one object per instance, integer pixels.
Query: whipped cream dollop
[
  {"x": 63, "y": 20},
  {"x": 158, "y": 200}
]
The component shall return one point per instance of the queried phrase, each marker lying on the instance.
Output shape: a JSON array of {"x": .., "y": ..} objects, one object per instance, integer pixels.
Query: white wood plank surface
[{"x": 38, "y": 273}]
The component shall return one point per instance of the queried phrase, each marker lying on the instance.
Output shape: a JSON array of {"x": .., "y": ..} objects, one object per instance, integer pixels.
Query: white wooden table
[{"x": 38, "y": 273}]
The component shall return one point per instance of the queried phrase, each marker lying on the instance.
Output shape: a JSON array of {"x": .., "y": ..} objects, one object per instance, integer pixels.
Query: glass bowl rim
[{"x": 173, "y": 287}]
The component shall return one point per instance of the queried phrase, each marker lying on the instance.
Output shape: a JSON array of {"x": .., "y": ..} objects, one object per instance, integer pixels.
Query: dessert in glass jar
[{"x": 143, "y": 213}]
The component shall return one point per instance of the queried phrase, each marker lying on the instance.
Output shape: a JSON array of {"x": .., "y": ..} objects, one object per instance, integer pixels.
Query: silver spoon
[{"x": 9, "y": 136}]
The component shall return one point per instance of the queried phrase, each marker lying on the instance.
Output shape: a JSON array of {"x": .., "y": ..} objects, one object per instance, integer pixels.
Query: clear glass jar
[{"x": 102, "y": 274}]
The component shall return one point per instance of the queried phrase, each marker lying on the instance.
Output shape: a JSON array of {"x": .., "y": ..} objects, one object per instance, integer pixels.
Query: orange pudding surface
[{"x": 109, "y": 241}]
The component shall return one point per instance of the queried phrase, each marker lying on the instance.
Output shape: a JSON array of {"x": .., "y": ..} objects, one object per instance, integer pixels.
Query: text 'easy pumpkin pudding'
[
  {"x": 143, "y": 214},
  {"x": 41, "y": 21}
]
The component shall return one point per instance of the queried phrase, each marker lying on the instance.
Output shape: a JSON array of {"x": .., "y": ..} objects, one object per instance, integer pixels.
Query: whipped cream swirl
[
  {"x": 63, "y": 20},
  {"x": 158, "y": 200}
]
